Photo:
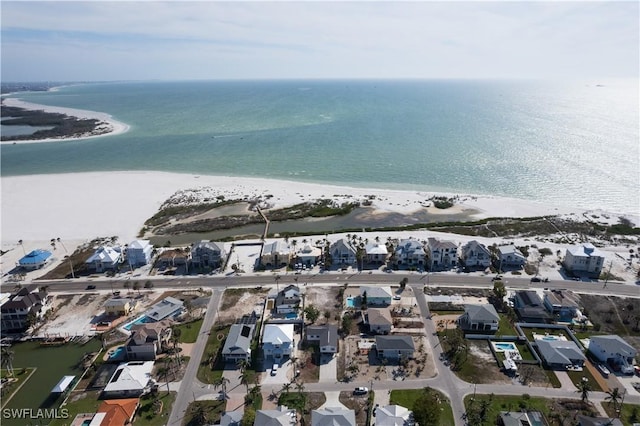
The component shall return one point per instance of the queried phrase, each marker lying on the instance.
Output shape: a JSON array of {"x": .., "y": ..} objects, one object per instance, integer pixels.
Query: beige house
[{"x": 117, "y": 306}]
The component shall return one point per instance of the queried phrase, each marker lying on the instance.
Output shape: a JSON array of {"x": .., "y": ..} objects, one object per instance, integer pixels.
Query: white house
[
  {"x": 441, "y": 254},
  {"x": 139, "y": 252},
  {"x": 129, "y": 380},
  {"x": 105, "y": 258},
  {"x": 393, "y": 415},
  {"x": 277, "y": 340},
  {"x": 510, "y": 256},
  {"x": 379, "y": 320},
  {"x": 613, "y": 350},
  {"x": 280, "y": 416},
  {"x": 343, "y": 253},
  {"x": 411, "y": 253},
  {"x": 288, "y": 300},
  {"x": 376, "y": 253},
  {"x": 475, "y": 255},
  {"x": 333, "y": 416},
  {"x": 308, "y": 255},
  {"x": 584, "y": 259}
]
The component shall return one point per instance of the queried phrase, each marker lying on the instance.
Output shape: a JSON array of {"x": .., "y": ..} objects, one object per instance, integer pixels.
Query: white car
[
  {"x": 274, "y": 369},
  {"x": 396, "y": 297},
  {"x": 360, "y": 391}
]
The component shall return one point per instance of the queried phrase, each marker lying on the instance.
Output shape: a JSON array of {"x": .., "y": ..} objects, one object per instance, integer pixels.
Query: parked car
[
  {"x": 91, "y": 287},
  {"x": 360, "y": 390},
  {"x": 496, "y": 278},
  {"x": 397, "y": 297},
  {"x": 536, "y": 279},
  {"x": 274, "y": 369}
]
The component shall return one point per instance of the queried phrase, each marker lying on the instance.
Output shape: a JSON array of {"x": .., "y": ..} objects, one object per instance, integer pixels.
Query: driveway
[
  {"x": 328, "y": 369},
  {"x": 281, "y": 377},
  {"x": 333, "y": 400},
  {"x": 565, "y": 380}
]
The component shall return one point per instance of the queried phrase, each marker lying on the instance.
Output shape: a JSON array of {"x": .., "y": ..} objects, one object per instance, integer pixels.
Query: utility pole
[{"x": 606, "y": 278}]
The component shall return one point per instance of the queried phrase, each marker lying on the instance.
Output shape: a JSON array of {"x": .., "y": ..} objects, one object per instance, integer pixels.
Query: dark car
[
  {"x": 91, "y": 287},
  {"x": 535, "y": 280}
]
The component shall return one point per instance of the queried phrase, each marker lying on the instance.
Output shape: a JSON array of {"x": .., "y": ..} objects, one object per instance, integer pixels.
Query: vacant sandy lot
[{"x": 239, "y": 301}]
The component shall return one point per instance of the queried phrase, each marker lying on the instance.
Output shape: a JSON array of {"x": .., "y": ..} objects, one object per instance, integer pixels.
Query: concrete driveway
[
  {"x": 333, "y": 400},
  {"x": 281, "y": 377},
  {"x": 328, "y": 368}
]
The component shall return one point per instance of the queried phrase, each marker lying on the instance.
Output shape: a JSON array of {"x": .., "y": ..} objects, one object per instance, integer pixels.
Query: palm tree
[
  {"x": 613, "y": 396},
  {"x": 242, "y": 365},
  {"x": 7, "y": 356},
  {"x": 583, "y": 389},
  {"x": 286, "y": 388},
  {"x": 221, "y": 383},
  {"x": 245, "y": 379},
  {"x": 22, "y": 245},
  {"x": 299, "y": 387},
  {"x": 163, "y": 371}
]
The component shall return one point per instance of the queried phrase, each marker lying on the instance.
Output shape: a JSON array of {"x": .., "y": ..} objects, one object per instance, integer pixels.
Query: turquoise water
[
  {"x": 502, "y": 346},
  {"x": 571, "y": 144},
  {"x": 351, "y": 302},
  {"x": 119, "y": 352},
  {"x": 291, "y": 315},
  {"x": 141, "y": 320}
]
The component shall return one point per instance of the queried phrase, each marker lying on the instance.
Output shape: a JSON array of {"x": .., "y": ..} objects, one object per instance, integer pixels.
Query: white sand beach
[{"x": 108, "y": 126}]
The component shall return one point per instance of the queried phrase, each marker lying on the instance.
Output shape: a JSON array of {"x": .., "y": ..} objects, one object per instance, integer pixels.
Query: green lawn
[
  {"x": 189, "y": 331},
  {"x": 505, "y": 328},
  {"x": 629, "y": 414},
  {"x": 203, "y": 412},
  {"x": 206, "y": 374},
  {"x": 146, "y": 415},
  {"x": 79, "y": 402},
  {"x": 407, "y": 397},
  {"x": 20, "y": 375},
  {"x": 553, "y": 379},
  {"x": 576, "y": 377}
]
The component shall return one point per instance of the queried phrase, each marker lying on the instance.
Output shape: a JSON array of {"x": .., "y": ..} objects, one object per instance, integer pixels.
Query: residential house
[
  {"x": 115, "y": 412},
  {"x": 479, "y": 318},
  {"x": 276, "y": 254},
  {"x": 36, "y": 259},
  {"x": 231, "y": 418},
  {"x": 613, "y": 350},
  {"x": 410, "y": 252},
  {"x": 376, "y": 253},
  {"x": 441, "y": 254},
  {"x": 475, "y": 255},
  {"x": 520, "y": 418},
  {"x": 104, "y": 258},
  {"x": 23, "y": 307},
  {"x": 378, "y": 319},
  {"x": 309, "y": 255},
  {"x": 325, "y": 335},
  {"x": 584, "y": 260},
  {"x": 598, "y": 421},
  {"x": 207, "y": 254},
  {"x": 139, "y": 252},
  {"x": 169, "y": 307},
  {"x": 376, "y": 296},
  {"x": 343, "y": 253},
  {"x": 393, "y": 415},
  {"x": 148, "y": 340},
  {"x": 559, "y": 354},
  {"x": 395, "y": 347},
  {"x": 129, "y": 380},
  {"x": 333, "y": 416},
  {"x": 509, "y": 256},
  {"x": 280, "y": 416},
  {"x": 172, "y": 258},
  {"x": 278, "y": 340},
  {"x": 562, "y": 304},
  {"x": 530, "y": 308},
  {"x": 119, "y": 306},
  {"x": 288, "y": 300},
  {"x": 238, "y": 343}
]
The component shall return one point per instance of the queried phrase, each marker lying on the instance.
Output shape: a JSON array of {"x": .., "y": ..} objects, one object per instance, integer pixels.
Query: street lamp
[{"x": 73, "y": 275}]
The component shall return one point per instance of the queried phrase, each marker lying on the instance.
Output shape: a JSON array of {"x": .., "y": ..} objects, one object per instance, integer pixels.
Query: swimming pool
[
  {"x": 351, "y": 302},
  {"x": 118, "y": 354},
  {"x": 291, "y": 315},
  {"x": 143, "y": 319},
  {"x": 504, "y": 346}
]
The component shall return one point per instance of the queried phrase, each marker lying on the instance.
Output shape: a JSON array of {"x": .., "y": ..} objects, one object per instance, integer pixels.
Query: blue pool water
[
  {"x": 550, "y": 338},
  {"x": 118, "y": 354},
  {"x": 291, "y": 315},
  {"x": 351, "y": 302},
  {"x": 141, "y": 320},
  {"x": 504, "y": 346}
]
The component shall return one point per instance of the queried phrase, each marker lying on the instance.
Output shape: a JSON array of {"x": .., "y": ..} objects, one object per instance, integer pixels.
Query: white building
[
  {"x": 277, "y": 340},
  {"x": 129, "y": 380},
  {"x": 410, "y": 253},
  {"x": 613, "y": 350},
  {"x": 308, "y": 255},
  {"x": 441, "y": 254},
  {"x": 376, "y": 253},
  {"x": 510, "y": 256},
  {"x": 139, "y": 252},
  {"x": 584, "y": 259},
  {"x": 476, "y": 255},
  {"x": 105, "y": 258},
  {"x": 343, "y": 253}
]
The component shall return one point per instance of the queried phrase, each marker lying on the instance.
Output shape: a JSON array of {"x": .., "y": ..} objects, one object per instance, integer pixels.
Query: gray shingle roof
[{"x": 394, "y": 342}]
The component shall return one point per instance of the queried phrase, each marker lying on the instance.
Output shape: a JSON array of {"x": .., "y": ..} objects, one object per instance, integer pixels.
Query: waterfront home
[
  {"x": 378, "y": 319},
  {"x": 560, "y": 354},
  {"x": 36, "y": 259},
  {"x": 479, "y": 318},
  {"x": 308, "y": 255},
  {"x": 393, "y": 415},
  {"x": 509, "y": 256},
  {"x": 171, "y": 258},
  {"x": 23, "y": 308},
  {"x": 115, "y": 412},
  {"x": 475, "y": 255},
  {"x": 139, "y": 253},
  {"x": 562, "y": 304},
  {"x": 238, "y": 343},
  {"x": 375, "y": 296},
  {"x": 410, "y": 252},
  {"x": 333, "y": 416},
  {"x": 376, "y": 253},
  {"x": 613, "y": 350},
  {"x": 280, "y": 416},
  {"x": 584, "y": 260},
  {"x": 529, "y": 307},
  {"x": 148, "y": 340},
  {"x": 207, "y": 254},
  {"x": 276, "y": 254},
  {"x": 277, "y": 340},
  {"x": 129, "y": 380},
  {"x": 395, "y": 347},
  {"x": 325, "y": 335},
  {"x": 104, "y": 258},
  {"x": 288, "y": 300},
  {"x": 343, "y": 253},
  {"x": 169, "y": 307},
  {"x": 441, "y": 254},
  {"x": 119, "y": 306}
]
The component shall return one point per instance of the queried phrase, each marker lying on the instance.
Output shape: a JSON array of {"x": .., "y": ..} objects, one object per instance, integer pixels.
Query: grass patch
[
  {"x": 203, "y": 413},
  {"x": 505, "y": 328},
  {"x": 629, "y": 413},
  {"x": 148, "y": 414},
  {"x": 210, "y": 369},
  {"x": 525, "y": 352},
  {"x": 408, "y": 397},
  {"x": 79, "y": 402},
  {"x": 576, "y": 377},
  {"x": 189, "y": 331},
  {"x": 553, "y": 379}
]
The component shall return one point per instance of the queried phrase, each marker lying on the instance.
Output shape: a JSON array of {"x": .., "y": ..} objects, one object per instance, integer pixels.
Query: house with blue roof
[{"x": 35, "y": 259}]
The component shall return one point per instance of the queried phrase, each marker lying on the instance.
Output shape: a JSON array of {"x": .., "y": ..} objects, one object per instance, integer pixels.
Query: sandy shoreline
[{"x": 112, "y": 126}]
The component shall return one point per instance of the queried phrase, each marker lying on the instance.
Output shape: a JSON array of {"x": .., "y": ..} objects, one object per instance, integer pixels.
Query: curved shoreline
[{"x": 115, "y": 127}]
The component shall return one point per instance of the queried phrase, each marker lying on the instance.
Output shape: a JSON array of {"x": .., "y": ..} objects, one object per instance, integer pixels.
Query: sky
[{"x": 145, "y": 40}]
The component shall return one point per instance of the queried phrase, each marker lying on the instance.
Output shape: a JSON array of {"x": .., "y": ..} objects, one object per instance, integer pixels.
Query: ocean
[{"x": 570, "y": 144}]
